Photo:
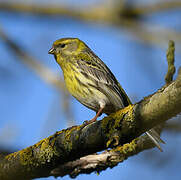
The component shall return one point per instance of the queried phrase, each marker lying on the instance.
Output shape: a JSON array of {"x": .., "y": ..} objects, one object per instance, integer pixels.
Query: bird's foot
[{"x": 86, "y": 122}]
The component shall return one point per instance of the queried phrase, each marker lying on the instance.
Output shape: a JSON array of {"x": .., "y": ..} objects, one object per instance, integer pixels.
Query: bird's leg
[{"x": 95, "y": 118}]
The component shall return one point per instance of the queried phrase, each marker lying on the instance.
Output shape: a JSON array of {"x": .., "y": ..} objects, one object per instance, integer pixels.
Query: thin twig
[{"x": 170, "y": 60}]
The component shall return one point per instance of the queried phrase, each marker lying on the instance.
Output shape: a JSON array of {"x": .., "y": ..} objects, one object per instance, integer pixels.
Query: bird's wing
[{"x": 103, "y": 78}]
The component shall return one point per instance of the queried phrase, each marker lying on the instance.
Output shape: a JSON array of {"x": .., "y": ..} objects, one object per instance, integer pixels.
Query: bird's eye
[{"x": 62, "y": 45}]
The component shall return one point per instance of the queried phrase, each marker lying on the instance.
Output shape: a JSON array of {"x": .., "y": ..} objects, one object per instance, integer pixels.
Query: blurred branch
[
  {"x": 119, "y": 16},
  {"x": 41, "y": 70},
  {"x": 175, "y": 127},
  {"x": 115, "y": 130},
  {"x": 170, "y": 71},
  {"x": 73, "y": 12},
  {"x": 68, "y": 111},
  {"x": 153, "y": 8},
  {"x": 47, "y": 75},
  {"x": 4, "y": 152},
  {"x": 170, "y": 60}
]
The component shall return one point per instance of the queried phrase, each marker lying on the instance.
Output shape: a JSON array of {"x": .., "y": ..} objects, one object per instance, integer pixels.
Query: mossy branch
[
  {"x": 107, "y": 159},
  {"x": 75, "y": 142}
]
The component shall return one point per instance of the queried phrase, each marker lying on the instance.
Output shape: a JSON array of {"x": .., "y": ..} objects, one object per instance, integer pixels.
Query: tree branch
[
  {"x": 107, "y": 159},
  {"x": 75, "y": 142}
]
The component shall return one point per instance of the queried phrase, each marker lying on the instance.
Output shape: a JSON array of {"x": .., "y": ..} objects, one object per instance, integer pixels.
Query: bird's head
[{"x": 66, "y": 47}]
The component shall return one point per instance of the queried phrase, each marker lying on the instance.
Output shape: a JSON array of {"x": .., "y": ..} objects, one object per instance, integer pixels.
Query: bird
[{"x": 90, "y": 81}]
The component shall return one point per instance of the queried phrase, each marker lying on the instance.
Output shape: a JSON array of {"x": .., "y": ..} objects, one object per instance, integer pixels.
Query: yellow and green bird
[{"x": 90, "y": 81}]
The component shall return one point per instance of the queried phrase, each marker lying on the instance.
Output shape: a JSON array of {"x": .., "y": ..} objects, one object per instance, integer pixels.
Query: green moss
[
  {"x": 111, "y": 125},
  {"x": 11, "y": 156},
  {"x": 129, "y": 121},
  {"x": 45, "y": 152},
  {"x": 68, "y": 134},
  {"x": 26, "y": 156},
  {"x": 127, "y": 149}
]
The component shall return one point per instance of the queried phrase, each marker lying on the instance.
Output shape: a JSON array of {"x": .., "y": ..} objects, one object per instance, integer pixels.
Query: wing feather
[{"x": 95, "y": 69}]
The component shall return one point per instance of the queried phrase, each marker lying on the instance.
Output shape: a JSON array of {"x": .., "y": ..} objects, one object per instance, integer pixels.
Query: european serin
[{"x": 90, "y": 81}]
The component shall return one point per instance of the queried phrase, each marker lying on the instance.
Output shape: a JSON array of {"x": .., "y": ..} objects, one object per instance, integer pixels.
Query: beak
[{"x": 51, "y": 51}]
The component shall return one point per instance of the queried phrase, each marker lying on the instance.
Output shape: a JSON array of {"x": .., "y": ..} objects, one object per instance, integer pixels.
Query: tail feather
[
  {"x": 152, "y": 134},
  {"x": 155, "y": 137}
]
